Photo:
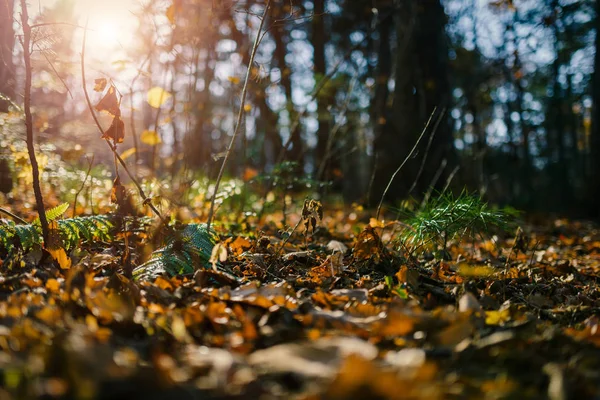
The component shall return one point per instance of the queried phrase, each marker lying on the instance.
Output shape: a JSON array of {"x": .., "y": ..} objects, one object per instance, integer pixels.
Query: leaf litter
[{"x": 321, "y": 313}]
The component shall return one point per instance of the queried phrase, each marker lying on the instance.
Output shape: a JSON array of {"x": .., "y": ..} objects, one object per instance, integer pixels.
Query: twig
[
  {"x": 132, "y": 116},
  {"x": 12, "y": 103},
  {"x": 404, "y": 162},
  {"x": 436, "y": 177},
  {"x": 429, "y": 142},
  {"x": 87, "y": 175},
  {"x": 450, "y": 178},
  {"x": 372, "y": 180},
  {"x": 56, "y": 72},
  {"x": 13, "y": 216},
  {"x": 56, "y": 23},
  {"x": 284, "y": 242},
  {"x": 29, "y": 123},
  {"x": 240, "y": 115},
  {"x": 112, "y": 146}
]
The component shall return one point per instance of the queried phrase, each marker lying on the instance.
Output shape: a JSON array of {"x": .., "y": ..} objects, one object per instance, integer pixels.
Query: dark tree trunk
[
  {"x": 524, "y": 129},
  {"x": 7, "y": 81},
  {"x": 267, "y": 123},
  {"x": 199, "y": 145},
  {"x": 320, "y": 70},
  {"x": 594, "y": 176},
  {"x": 281, "y": 50},
  {"x": 379, "y": 110},
  {"x": 421, "y": 85}
]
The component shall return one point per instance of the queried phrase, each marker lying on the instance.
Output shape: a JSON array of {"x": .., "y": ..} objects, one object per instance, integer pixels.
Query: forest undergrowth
[
  {"x": 459, "y": 300},
  {"x": 113, "y": 286}
]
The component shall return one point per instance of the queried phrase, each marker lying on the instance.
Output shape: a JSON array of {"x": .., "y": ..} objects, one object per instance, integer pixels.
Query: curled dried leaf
[
  {"x": 100, "y": 84},
  {"x": 110, "y": 103},
  {"x": 116, "y": 131},
  {"x": 312, "y": 212}
]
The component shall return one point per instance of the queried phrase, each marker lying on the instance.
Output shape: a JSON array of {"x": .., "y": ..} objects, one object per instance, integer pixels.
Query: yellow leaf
[
  {"x": 157, "y": 96},
  {"x": 374, "y": 223},
  {"x": 497, "y": 317},
  {"x": 475, "y": 271},
  {"x": 233, "y": 79},
  {"x": 128, "y": 153},
  {"x": 60, "y": 255},
  {"x": 53, "y": 285},
  {"x": 150, "y": 137},
  {"x": 120, "y": 65},
  {"x": 219, "y": 253}
]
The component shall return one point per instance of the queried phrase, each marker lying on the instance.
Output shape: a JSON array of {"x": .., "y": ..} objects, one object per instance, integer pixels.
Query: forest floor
[{"x": 338, "y": 313}]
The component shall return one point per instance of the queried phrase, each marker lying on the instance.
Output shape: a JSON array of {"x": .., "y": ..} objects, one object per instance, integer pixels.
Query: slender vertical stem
[
  {"x": 39, "y": 200},
  {"x": 240, "y": 115},
  {"x": 112, "y": 146}
]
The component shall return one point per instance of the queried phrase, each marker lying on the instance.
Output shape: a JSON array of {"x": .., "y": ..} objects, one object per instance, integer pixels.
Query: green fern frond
[
  {"x": 29, "y": 235},
  {"x": 53, "y": 213},
  {"x": 72, "y": 230},
  {"x": 57, "y": 211},
  {"x": 7, "y": 232},
  {"x": 183, "y": 253}
]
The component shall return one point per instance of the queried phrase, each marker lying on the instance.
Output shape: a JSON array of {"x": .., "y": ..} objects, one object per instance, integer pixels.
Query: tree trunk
[
  {"x": 281, "y": 50},
  {"x": 7, "y": 42},
  {"x": 7, "y": 82},
  {"x": 421, "y": 85},
  {"x": 320, "y": 70},
  {"x": 594, "y": 177}
]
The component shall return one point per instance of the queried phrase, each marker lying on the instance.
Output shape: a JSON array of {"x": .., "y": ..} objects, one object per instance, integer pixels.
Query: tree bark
[
  {"x": 7, "y": 42},
  {"x": 279, "y": 37},
  {"x": 320, "y": 70},
  {"x": 421, "y": 85},
  {"x": 594, "y": 177}
]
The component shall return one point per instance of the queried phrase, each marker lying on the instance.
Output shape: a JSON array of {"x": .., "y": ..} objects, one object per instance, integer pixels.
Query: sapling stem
[
  {"x": 240, "y": 116},
  {"x": 39, "y": 199},
  {"x": 112, "y": 146}
]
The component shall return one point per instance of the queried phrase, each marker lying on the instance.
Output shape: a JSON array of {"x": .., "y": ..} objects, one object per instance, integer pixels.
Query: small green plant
[
  {"x": 446, "y": 217},
  {"x": 72, "y": 231},
  {"x": 398, "y": 290},
  {"x": 185, "y": 251}
]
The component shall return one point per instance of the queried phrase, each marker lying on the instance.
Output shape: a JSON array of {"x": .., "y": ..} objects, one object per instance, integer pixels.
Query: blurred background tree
[{"x": 343, "y": 89}]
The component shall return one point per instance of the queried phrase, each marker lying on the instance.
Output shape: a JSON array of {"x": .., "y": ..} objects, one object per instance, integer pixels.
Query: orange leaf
[
  {"x": 110, "y": 102},
  {"x": 116, "y": 131},
  {"x": 118, "y": 193},
  {"x": 239, "y": 245},
  {"x": 249, "y": 173},
  {"x": 60, "y": 255},
  {"x": 368, "y": 245},
  {"x": 100, "y": 84}
]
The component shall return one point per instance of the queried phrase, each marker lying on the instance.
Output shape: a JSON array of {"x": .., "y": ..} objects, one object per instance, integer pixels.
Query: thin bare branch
[
  {"x": 13, "y": 216},
  {"x": 29, "y": 123},
  {"x": 87, "y": 175},
  {"x": 112, "y": 146},
  {"x": 404, "y": 162},
  {"x": 240, "y": 116}
]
